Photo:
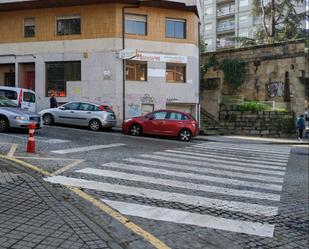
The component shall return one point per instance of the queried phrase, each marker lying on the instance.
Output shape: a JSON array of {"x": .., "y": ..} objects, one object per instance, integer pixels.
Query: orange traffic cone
[{"x": 31, "y": 142}]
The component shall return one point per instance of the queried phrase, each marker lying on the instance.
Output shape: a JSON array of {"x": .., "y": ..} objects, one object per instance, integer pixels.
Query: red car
[{"x": 163, "y": 122}]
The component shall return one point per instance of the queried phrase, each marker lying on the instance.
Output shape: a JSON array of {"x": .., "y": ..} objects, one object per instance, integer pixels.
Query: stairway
[{"x": 209, "y": 125}]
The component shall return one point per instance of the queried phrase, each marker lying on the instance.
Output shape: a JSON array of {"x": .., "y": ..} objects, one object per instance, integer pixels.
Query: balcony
[
  {"x": 224, "y": 43},
  {"x": 226, "y": 27},
  {"x": 225, "y": 1},
  {"x": 226, "y": 10}
]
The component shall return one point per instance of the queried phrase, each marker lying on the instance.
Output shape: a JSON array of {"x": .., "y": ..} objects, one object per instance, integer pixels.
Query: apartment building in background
[
  {"x": 225, "y": 19},
  {"x": 80, "y": 50}
]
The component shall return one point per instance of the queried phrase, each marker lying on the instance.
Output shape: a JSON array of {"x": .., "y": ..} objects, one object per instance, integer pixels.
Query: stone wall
[
  {"x": 262, "y": 123},
  {"x": 277, "y": 72}
]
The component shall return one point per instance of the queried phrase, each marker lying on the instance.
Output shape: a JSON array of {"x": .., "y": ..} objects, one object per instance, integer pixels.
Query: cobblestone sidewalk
[{"x": 31, "y": 216}]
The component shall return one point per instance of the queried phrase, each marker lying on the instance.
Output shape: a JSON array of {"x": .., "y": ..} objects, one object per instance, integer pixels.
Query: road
[{"x": 224, "y": 194}]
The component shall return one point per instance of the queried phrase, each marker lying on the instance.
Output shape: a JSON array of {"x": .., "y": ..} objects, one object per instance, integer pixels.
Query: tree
[{"x": 280, "y": 20}]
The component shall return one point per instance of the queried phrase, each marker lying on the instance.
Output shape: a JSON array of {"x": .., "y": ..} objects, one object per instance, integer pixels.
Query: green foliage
[
  {"x": 252, "y": 106},
  {"x": 280, "y": 21},
  {"x": 234, "y": 72},
  {"x": 212, "y": 61}
]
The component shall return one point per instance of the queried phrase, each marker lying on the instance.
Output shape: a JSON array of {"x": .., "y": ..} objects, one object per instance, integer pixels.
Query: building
[
  {"x": 225, "y": 19},
  {"x": 77, "y": 49}
]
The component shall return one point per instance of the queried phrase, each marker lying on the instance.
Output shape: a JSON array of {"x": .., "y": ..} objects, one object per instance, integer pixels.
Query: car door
[
  {"x": 154, "y": 121},
  {"x": 85, "y": 113},
  {"x": 66, "y": 114},
  {"x": 173, "y": 123},
  {"x": 28, "y": 101}
]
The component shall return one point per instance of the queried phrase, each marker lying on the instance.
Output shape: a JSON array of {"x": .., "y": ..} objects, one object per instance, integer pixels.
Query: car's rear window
[
  {"x": 9, "y": 94},
  {"x": 29, "y": 97}
]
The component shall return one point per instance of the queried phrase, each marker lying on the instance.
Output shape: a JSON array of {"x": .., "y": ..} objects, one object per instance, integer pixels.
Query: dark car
[{"x": 163, "y": 122}]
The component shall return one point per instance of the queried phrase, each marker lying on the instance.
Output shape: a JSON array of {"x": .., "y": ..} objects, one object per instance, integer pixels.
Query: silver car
[
  {"x": 87, "y": 114},
  {"x": 11, "y": 116}
]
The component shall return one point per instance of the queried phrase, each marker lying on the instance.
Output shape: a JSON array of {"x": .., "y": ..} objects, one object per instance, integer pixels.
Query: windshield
[{"x": 5, "y": 102}]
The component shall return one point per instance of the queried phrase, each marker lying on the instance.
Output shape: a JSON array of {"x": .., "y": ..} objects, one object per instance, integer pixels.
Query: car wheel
[
  {"x": 135, "y": 130},
  {"x": 48, "y": 119},
  {"x": 95, "y": 125},
  {"x": 185, "y": 135},
  {"x": 4, "y": 124}
]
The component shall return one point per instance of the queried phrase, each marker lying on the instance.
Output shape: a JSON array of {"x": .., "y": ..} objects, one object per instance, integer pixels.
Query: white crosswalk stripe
[
  {"x": 200, "y": 175},
  {"x": 186, "y": 185},
  {"x": 246, "y": 155},
  {"x": 206, "y": 155},
  {"x": 213, "y": 161},
  {"x": 206, "y": 169}
]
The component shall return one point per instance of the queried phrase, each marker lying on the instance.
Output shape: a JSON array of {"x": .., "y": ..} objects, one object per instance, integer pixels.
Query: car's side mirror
[
  {"x": 62, "y": 108},
  {"x": 151, "y": 118}
]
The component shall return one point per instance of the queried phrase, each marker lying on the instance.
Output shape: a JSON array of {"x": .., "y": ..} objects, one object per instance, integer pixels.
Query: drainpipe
[
  {"x": 123, "y": 60},
  {"x": 198, "y": 106}
]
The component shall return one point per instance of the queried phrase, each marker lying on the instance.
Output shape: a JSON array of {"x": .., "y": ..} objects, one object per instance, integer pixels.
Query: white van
[{"x": 24, "y": 98}]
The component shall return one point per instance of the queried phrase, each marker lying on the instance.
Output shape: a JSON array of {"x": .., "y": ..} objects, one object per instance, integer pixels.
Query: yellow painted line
[
  {"x": 45, "y": 158},
  {"x": 122, "y": 219},
  {"x": 27, "y": 165},
  {"x": 12, "y": 150},
  {"x": 67, "y": 167},
  {"x": 158, "y": 244}
]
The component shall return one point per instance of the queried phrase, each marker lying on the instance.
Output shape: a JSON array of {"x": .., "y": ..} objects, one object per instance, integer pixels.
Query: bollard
[{"x": 31, "y": 142}]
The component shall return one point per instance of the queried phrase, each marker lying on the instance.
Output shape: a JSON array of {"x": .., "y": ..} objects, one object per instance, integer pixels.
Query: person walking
[
  {"x": 301, "y": 126},
  {"x": 53, "y": 101}
]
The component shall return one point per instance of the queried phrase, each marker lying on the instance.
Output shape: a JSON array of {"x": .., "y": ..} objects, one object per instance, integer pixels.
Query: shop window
[
  {"x": 68, "y": 25},
  {"x": 136, "y": 24},
  {"x": 29, "y": 27},
  {"x": 175, "y": 28},
  {"x": 9, "y": 79},
  {"x": 136, "y": 70},
  {"x": 175, "y": 73},
  {"x": 58, "y": 74}
]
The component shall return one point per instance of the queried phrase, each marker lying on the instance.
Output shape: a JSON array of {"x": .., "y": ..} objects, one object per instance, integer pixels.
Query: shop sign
[
  {"x": 160, "y": 58},
  {"x": 127, "y": 54}
]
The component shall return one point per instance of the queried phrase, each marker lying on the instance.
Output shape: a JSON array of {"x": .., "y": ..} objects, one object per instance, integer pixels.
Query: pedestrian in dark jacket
[
  {"x": 301, "y": 126},
  {"x": 53, "y": 101}
]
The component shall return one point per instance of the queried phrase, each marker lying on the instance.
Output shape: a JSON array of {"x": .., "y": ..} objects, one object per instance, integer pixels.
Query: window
[
  {"x": 175, "y": 73},
  {"x": 72, "y": 106},
  {"x": 177, "y": 116},
  {"x": 136, "y": 70},
  {"x": 29, "y": 97},
  {"x": 159, "y": 115},
  {"x": 243, "y": 3},
  {"x": 9, "y": 79},
  {"x": 86, "y": 107},
  {"x": 68, "y": 25},
  {"x": 224, "y": 25},
  {"x": 29, "y": 27},
  {"x": 136, "y": 24},
  {"x": 175, "y": 28},
  {"x": 244, "y": 34},
  {"x": 57, "y": 75},
  {"x": 9, "y": 94},
  {"x": 243, "y": 20}
]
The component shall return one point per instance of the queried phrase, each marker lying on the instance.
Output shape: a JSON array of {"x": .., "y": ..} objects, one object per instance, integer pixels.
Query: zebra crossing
[{"x": 242, "y": 180}]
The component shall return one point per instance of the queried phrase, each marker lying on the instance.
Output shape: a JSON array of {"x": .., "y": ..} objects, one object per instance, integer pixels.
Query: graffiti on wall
[
  {"x": 171, "y": 100},
  {"x": 134, "y": 110},
  {"x": 147, "y": 99},
  {"x": 275, "y": 89}
]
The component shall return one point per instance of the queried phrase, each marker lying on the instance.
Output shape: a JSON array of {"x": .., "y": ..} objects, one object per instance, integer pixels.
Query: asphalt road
[{"x": 224, "y": 194}]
